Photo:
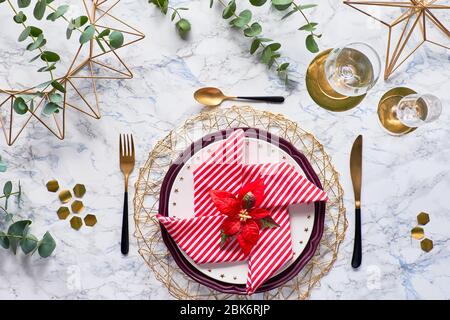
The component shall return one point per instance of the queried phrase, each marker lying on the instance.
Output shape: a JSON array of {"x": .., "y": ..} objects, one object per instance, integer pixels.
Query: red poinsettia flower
[{"x": 244, "y": 216}]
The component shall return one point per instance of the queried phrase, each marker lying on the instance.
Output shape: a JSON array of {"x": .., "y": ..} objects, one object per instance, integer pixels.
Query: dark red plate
[{"x": 277, "y": 280}]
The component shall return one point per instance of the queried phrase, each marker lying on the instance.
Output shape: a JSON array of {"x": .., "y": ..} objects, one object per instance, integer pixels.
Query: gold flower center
[{"x": 244, "y": 216}]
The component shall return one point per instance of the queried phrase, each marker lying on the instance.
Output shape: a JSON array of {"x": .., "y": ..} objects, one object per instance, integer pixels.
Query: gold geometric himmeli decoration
[
  {"x": 146, "y": 202},
  {"x": 89, "y": 65},
  {"x": 415, "y": 16}
]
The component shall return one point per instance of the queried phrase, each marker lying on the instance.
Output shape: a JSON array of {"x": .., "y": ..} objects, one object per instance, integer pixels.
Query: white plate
[{"x": 256, "y": 151}]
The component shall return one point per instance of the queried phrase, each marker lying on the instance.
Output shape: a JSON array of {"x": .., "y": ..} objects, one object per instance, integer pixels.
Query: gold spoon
[{"x": 211, "y": 97}]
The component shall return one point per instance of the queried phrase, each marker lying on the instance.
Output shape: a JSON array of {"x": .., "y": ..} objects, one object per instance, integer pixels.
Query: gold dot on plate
[
  {"x": 76, "y": 223},
  {"x": 90, "y": 220},
  {"x": 174, "y": 203},
  {"x": 188, "y": 167},
  {"x": 79, "y": 190},
  {"x": 222, "y": 276},
  {"x": 283, "y": 157},
  {"x": 417, "y": 233},
  {"x": 306, "y": 229},
  {"x": 77, "y": 206},
  {"x": 301, "y": 242},
  {"x": 176, "y": 190},
  {"x": 308, "y": 217},
  {"x": 234, "y": 278},
  {"x": 423, "y": 218},
  {"x": 63, "y": 213},
  {"x": 209, "y": 270},
  {"x": 426, "y": 245},
  {"x": 65, "y": 196},
  {"x": 181, "y": 178},
  {"x": 52, "y": 186}
]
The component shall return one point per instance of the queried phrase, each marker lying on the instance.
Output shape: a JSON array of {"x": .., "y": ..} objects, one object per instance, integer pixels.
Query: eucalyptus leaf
[
  {"x": 3, "y": 165},
  {"x": 104, "y": 33},
  {"x": 258, "y": 3},
  {"x": 87, "y": 35},
  {"x": 29, "y": 243},
  {"x": 50, "y": 56},
  {"x": 39, "y": 9},
  {"x": 24, "y": 34},
  {"x": 116, "y": 39},
  {"x": 20, "y": 106},
  {"x": 229, "y": 10},
  {"x": 50, "y": 108},
  {"x": 255, "y": 45},
  {"x": 183, "y": 26},
  {"x": 60, "y": 11},
  {"x": 281, "y": 5},
  {"x": 311, "y": 44},
  {"x": 46, "y": 246},
  {"x": 38, "y": 43},
  {"x": 20, "y": 17},
  {"x": 35, "y": 31},
  {"x": 4, "y": 241},
  {"x": 242, "y": 20},
  {"x": 16, "y": 231},
  {"x": 308, "y": 27},
  {"x": 7, "y": 189},
  {"x": 58, "y": 86},
  {"x": 56, "y": 98},
  {"x": 254, "y": 30},
  {"x": 23, "y": 3}
]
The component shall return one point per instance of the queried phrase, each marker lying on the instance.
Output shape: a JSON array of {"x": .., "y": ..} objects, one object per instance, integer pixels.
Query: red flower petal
[
  {"x": 249, "y": 236},
  {"x": 231, "y": 226},
  {"x": 256, "y": 187},
  {"x": 259, "y": 213},
  {"x": 225, "y": 202}
]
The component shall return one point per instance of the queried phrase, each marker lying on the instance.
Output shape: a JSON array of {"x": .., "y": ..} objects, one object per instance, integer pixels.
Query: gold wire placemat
[{"x": 154, "y": 251}]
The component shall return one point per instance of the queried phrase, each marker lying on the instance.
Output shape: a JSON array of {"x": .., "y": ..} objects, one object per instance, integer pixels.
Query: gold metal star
[
  {"x": 416, "y": 18},
  {"x": 90, "y": 64}
]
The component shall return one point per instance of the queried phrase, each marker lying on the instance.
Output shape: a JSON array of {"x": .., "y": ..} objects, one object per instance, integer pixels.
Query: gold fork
[{"x": 126, "y": 146}]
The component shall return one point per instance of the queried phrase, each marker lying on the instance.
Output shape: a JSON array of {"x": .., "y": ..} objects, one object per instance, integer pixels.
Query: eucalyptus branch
[
  {"x": 18, "y": 234},
  {"x": 183, "y": 25},
  {"x": 269, "y": 50},
  {"x": 25, "y": 102},
  {"x": 309, "y": 27}
]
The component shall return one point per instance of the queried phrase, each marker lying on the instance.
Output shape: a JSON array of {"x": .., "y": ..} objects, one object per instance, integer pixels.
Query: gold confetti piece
[
  {"x": 65, "y": 196},
  {"x": 79, "y": 190},
  {"x": 426, "y": 245},
  {"x": 52, "y": 186},
  {"x": 417, "y": 233},
  {"x": 90, "y": 220},
  {"x": 423, "y": 218},
  {"x": 63, "y": 213},
  {"x": 77, "y": 206},
  {"x": 76, "y": 223}
]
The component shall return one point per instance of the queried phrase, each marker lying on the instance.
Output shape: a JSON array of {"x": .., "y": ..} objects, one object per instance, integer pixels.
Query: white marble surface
[{"x": 402, "y": 175}]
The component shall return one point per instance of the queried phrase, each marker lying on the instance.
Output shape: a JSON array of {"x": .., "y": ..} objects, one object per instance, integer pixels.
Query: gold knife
[{"x": 356, "y": 172}]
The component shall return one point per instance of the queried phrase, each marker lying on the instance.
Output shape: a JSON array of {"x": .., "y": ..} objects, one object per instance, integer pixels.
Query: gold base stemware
[
  {"x": 320, "y": 90},
  {"x": 387, "y": 114}
]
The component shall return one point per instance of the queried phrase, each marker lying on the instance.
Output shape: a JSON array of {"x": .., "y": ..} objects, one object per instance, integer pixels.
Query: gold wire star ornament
[
  {"x": 92, "y": 62},
  {"x": 418, "y": 21}
]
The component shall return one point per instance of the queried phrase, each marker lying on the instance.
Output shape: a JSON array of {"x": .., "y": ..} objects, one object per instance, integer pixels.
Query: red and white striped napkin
[{"x": 199, "y": 236}]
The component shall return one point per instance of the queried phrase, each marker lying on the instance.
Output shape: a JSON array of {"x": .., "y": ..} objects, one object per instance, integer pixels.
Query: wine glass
[
  {"x": 352, "y": 70},
  {"x": 414, "y": 110}
]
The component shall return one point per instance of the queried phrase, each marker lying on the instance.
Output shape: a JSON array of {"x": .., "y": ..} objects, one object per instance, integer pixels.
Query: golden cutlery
[
  {"x": 127, "y": 160},
  {"x": 212, "y": 97},
  {"x": 356, "y": 173}
]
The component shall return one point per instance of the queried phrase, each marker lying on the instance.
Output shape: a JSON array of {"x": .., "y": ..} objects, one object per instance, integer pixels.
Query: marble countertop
[{"x": 402, "y": 175}]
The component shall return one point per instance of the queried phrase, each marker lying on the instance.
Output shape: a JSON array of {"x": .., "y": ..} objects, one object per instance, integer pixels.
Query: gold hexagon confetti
[
  {"x": 423, "y": 218},
  {"x": 52, "y": 186},
  {"x": 90, "y": 220},
  {"x": 426, "y": 245},
  {"x": 417, "y": 233},
  {"x": 79, "y": 190},
  {"x": 65, "y": 196},
  {"x": 63, "y": 213},
  {"x": 76, "y": 223},
  {"x": 77, "y": 206}
]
